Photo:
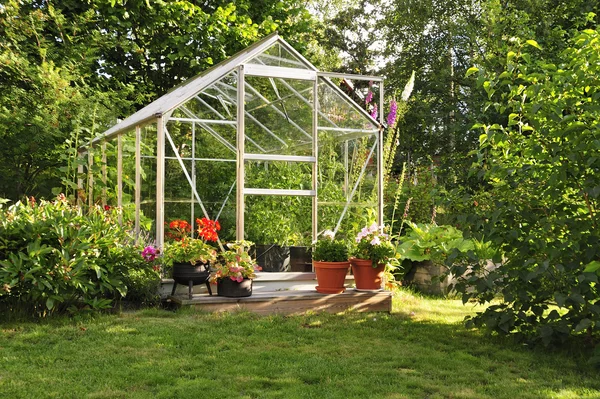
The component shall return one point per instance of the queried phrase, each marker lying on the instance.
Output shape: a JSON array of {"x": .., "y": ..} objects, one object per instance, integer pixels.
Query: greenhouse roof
[{"x": 188, "y": 89}]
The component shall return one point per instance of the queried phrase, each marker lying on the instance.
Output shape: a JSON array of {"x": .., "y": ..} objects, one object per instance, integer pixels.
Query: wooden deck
[{"x": 291, "y": 302}]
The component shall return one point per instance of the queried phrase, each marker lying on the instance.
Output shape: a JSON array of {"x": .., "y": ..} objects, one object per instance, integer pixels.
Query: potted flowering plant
[
  {"x": 189, "y": 257},
  {"x": 234, "y": 270},
  {"x": 330, "y": 260},
  {"x": 373, "y": 252}
]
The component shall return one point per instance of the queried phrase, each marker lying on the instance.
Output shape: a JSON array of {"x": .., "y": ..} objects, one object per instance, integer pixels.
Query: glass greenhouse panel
[
  {"x": 347, "y": 180},
  {"x": 278, "y": 55},
  {"x": 273, "y": 230},
  {"x": 215, "y": 183},
  {"x": 279, "y": 116},
  {"x": 215, "y": 141},
  {"x": 278, "y": 175},
  {"x": 337, "y": 114},
  {"x": 217, "y": 102},
  {"x": 148, "y": 189},
  {"x": 128, "y": 173}
]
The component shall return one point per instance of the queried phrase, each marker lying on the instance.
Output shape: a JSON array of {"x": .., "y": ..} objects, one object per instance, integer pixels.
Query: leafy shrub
[
  {"x": 328, "y": 249},
  {"x": 541, "y": 167},
  {"x": 53, "y": 257}
]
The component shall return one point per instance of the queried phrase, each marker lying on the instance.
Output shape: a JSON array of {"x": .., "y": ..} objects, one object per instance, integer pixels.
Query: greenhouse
[{"x": 263, "y": 142}]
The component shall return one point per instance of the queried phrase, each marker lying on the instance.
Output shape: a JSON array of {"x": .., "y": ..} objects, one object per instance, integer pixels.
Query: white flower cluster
[{"x": 374, "y": 231}]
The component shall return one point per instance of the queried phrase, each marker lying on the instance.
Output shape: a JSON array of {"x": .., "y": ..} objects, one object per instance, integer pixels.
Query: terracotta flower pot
[
  {"x": 331, "y": 276},
  {"x": 367, "y": 277}
]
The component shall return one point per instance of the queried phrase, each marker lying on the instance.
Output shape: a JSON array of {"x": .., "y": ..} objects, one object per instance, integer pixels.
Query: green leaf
[
  {"x": 50, "y": 303},
  {"x": 592, "y": 267},
  {"x": 560, "y": 299},
  {"x": 471, "y": 71},
  {"x": 583, "y": 325},
  {"x": 533, "y": 43}
]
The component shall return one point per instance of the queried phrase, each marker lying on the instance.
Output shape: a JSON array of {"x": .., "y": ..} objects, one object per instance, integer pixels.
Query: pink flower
[
  {"x": 149, "y": 253},
  {"x": 369, "y": 97},
  {"x": 373, "y": 228},
  {"x": 374, "y": 112},
  {"x": 391, "y": 118},
  {"x": 375, "y": 241}
]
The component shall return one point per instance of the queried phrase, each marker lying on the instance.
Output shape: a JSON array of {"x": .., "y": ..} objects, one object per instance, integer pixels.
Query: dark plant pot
[
  {"x": 367, "y": 277},
  {"x": 190, "y": 275},
  {"x": 273, "y": 258},
  {"x": 301, "y": 259},
  {"x": 331, "y": 276},
  {"x": 232, "y": 289},
  {"x": 425, "y": 276}
]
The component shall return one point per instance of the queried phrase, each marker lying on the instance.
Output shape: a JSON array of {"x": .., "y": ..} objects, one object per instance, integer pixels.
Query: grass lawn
[{"x": 420, "y": 351}]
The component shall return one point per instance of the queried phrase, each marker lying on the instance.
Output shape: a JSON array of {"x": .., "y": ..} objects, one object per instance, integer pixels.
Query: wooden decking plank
[{"x": 292, "y": 302}]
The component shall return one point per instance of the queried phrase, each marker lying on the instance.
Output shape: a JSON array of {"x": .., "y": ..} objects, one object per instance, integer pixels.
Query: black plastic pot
[
  {"x": 301, "y": 259},
  {"x": 273, "y": 258},
  {"x": 190, "y": 275},
  {"x": 232, "y": 289}
]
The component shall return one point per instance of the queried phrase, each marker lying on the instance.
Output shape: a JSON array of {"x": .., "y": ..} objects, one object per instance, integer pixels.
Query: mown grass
[{"x": 420, "y": 351}]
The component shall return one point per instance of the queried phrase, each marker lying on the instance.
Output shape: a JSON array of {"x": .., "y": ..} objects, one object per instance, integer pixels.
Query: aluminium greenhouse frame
[{"x": 161, "y": 112}]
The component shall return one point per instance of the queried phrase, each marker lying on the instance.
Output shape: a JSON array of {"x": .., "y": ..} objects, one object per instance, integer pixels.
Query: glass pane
[
  {"x": 148, "y": 189},
  {"x": 337, "y": 112},
  {"x": 274, "y": 230},
  {"x": 277, "y": 55},
  {"x": 216, "y": 102},
  {"x": 278, "y": 175},
  {"x": 128, "y": 142},
  {"x": 347, "y": 177},
  {"x": 278, "y": 117}
]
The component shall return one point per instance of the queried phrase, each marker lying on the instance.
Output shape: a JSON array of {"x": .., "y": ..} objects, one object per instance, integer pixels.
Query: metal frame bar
[
  {"x": 197, "y": 159},
  {"x": 120, "y": 177},
  {"x": 104, "y": 174},
  {"x": 275, "y": 157},
  {"x": 80, "y": 179},
  {"x": 341, "y": 129},
  {"x": 240, "y": 201},
  {"x": 360, "y": 176},
  {"x": 280, "y": 72},
  {"x": 138, "y": 179},
  {"x": 380, "y": 160},
  {"x": 160, "y": 178},
  {"x": 207, "y": 121},
  {"x": 90, "y": 178},
  {"x": 193, "y": 188},
  {"x": 278, "y": 191},
  {"x": 272, "y": 57},
  {"x": 349, "y": 76},
  {"x": 315, "y": 166}
]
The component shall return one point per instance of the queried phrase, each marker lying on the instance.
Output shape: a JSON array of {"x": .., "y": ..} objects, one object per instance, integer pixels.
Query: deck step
[
  {"x": 265, "y": 281},
  {"x": 291, "y": 302}
]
